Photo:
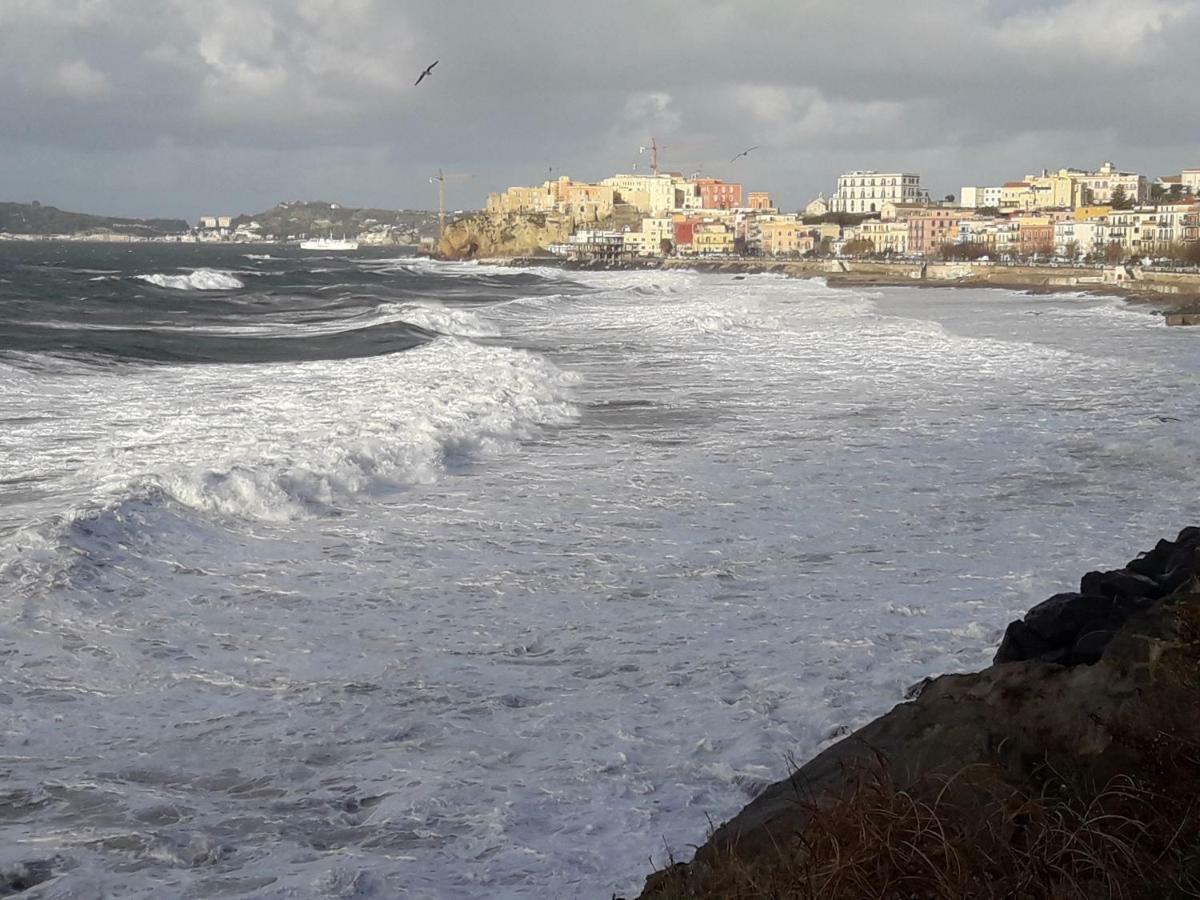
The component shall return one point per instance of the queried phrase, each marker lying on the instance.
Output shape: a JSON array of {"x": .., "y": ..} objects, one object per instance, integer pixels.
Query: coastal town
[{"x": 1101, "y": 215}]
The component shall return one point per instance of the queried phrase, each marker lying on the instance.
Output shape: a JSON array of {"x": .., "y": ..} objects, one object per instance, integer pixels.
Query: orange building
[
  {"x": 1034, "y": 236},
  {"x": 718, "y": 194},
  {"x": 759, "y": 200}
]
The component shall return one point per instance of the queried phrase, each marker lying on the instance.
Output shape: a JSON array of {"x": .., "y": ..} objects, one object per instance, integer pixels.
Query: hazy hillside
[
  {"x": 299, "y": 219},
  {"x": 33, "y": 218}
]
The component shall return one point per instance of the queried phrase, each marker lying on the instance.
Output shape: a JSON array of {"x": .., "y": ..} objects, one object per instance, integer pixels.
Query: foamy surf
[
  {"x": 197, "y": 280},
  {"x": 452, "y": 621}
]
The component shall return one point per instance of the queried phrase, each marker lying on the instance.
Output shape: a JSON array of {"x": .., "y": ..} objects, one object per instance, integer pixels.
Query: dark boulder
[
  {"x": 1021, "y": 642},
  {"x": 1120, "y": 583},
  {"x": 1154, "y": 563},
  {"x": 1051, "y": 629}
]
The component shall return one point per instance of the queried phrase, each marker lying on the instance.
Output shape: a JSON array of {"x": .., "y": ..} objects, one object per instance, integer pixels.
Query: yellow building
[
  {"x": 522, "y": 200},
  {"x": 590, "y": 202},
  {"x": 1083, "y": 213},
  {"x": 659, "y": 229},
  {"x": 1055, "y": 190},
  {"x": 654, "y": 195},
  {"x": 887, "y": 237},
  {"x": 779, "y": 237},
  {"x": 1017, "y": 195},
  {"x": 712, "y": 239}
]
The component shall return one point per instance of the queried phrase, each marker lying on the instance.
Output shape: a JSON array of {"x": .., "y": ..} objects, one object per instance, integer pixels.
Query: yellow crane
[{"x": 440, "y": 180}]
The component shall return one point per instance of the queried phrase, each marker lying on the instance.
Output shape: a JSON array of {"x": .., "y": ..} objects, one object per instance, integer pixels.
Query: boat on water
[{"x": 329, "y": 243}]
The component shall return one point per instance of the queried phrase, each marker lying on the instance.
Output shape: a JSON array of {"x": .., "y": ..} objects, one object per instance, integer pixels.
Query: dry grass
[
  {"x": 971, "y": 836},
  {"x": 985, "y": 834}
]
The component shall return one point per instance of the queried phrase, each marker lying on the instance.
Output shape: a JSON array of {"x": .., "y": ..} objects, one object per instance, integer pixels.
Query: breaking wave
[{"x": 197, "y": 280}]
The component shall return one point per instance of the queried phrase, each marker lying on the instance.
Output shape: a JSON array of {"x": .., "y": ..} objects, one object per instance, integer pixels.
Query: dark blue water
[{"x": 222, "y": 303}]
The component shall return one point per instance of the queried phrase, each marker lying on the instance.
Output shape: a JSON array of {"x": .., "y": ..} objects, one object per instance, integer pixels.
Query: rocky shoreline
[
  {"x": 1091, "y": 689},
  {"x": 1173, "y": 294}
]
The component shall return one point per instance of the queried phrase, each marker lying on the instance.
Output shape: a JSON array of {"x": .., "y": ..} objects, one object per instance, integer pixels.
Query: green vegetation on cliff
[{"x": 34, "y": 218}]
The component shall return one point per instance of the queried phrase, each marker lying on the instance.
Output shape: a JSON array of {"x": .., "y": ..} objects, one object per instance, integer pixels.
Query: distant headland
[{"x": 288, "y": 221}]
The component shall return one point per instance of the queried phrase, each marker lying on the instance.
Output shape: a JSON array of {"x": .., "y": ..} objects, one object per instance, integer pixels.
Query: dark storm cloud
[{"x": 134, "y": 106}]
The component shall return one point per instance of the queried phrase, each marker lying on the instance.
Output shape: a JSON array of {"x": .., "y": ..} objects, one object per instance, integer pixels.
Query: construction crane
[
  {"x": 653, "y": 148},
  {"x": 440, "y": 180}
]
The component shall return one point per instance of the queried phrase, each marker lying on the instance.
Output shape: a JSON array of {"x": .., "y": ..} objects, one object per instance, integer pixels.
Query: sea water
[{"x": 368, "y": 576}]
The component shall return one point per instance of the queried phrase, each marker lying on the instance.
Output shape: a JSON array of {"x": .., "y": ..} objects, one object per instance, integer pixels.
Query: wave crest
[{"x": 197, "y": 280}]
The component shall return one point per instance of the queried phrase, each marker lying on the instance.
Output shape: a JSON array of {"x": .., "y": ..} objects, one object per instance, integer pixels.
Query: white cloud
[
  {"x": 1117, "y": 30},
  {"x": 79, "y": 80}
]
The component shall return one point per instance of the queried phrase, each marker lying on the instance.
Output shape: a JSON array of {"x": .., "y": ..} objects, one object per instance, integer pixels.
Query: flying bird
[
  {"x": 745, "y": 152},
  {"x": 427, "y": 72}
]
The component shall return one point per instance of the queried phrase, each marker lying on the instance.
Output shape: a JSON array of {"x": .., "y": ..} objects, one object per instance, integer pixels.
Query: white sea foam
[
  {"x": 196, "y": 280},
  {"x": 446, "y": 320},
  {"x": 451, "y": 623},
  {"x": 279, "y": 442}
]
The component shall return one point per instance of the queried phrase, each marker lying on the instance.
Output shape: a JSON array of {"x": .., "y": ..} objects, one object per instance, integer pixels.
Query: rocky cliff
[
  {"x": 1069, "y": 768},
  {"x": 514, "y": 234}
]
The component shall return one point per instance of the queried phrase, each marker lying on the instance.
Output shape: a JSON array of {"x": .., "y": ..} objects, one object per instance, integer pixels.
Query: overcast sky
[{"x": 184, "y": 107}]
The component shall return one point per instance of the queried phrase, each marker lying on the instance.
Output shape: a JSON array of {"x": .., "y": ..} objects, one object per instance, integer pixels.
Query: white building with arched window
[{"x": 866, "y": 192}]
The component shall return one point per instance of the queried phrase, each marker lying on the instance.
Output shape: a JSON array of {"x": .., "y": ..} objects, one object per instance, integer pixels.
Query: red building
[
  {"x": 1034, "y": 237},
  {"x": 685, "y": 232},
  {"x": 718, "y": 194}
]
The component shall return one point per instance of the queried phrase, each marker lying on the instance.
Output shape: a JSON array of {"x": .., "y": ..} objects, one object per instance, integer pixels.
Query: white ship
[{"x": 329, "y": 243}]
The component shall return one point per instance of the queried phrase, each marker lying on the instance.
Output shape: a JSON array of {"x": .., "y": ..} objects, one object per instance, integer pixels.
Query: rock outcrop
[
  {"x": 509, "y": 235},
  {"x": 1074, "y": 628},
  {"x": 1100, "y": 683}
]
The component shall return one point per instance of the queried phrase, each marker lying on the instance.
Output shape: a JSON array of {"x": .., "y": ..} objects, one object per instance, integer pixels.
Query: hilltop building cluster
[{"x": 1103, "y": 214}]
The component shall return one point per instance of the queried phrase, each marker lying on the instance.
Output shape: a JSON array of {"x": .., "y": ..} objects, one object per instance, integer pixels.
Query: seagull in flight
[
  {"x": 427, "y": 72},
  {"x": 745, "y": 152}
]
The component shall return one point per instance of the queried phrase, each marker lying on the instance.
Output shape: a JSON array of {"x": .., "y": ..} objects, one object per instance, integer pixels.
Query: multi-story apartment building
[
  {"x": 998, "y": 236},
  {"x": 1062, "y": 189},
  {"x": 980, "y": 197},
  {"x": 1178, "y": 223},
  {"x": 1099, "y": 186},
  {"x": 1035, "y": 236},
  {"x": 781, "y": 236},
  {"x": 930, "y": 228},
  {"x": 1074, "y": 238},
  {"x": 600, "y": 246},
  {"x": 866, "y": 192},
  {"x": 655, "y": 195},
  {"x": 657, "y": 230},
  {"x": 712, "y": 239},
  {"x": 1147, "y": 232},
  {"x": 887, "y": 237},
  {"x": 1017, "y": 195},
  {"x": 1055, "y": 190},
  {"x": 717, "y": 194}
]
